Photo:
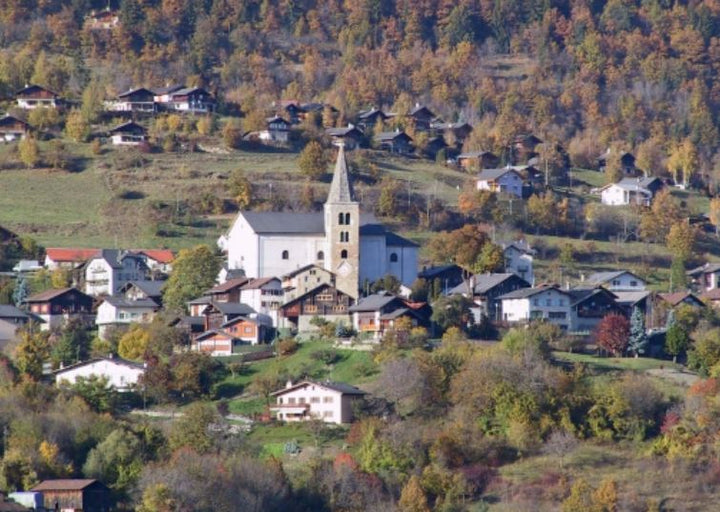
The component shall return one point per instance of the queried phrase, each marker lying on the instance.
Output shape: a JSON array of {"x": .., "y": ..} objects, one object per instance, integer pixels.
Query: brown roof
[
  {"x": 228, "y": 285},
  {"x": 70, "y": 254},
  {"x": 677, "y": 297},
  {"x": 257, "y": 283},
  {"x": 713, "y": 294},
  {"x": 64, "y": 484},
  {"x": 49, "y": 294}
]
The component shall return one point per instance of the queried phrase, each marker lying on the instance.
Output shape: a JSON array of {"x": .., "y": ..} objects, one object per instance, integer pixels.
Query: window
[
  {"x": 291, "y": 400},
  {"x": 343, "y": 254},
  {"x": 327, "y": 399},
  {"x": 301, "y": 400},
  {"x": 556, "y": 315},
  {"x": 341, "y": 219},
  {"x": 327, "y": 414},
  {"x": 344, "y": 236},
  {"x": 616, "y": 282},
  {"x": 347, "y": 219},
  {"x": 536, "y": 302},
  {"x": 315, "y": 400},
  {"x": 548, "y": 302},
  {"x": 633, "y": 283},
  {"x": 247, "y": 329},
  {"x": 393, "y": 258},
  {"x": 285, "y": 255},
  {"x": 320, "y": 256}
]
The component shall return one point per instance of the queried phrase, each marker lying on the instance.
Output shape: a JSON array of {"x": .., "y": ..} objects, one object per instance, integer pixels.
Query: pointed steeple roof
[{"x": 341, "y": 187}]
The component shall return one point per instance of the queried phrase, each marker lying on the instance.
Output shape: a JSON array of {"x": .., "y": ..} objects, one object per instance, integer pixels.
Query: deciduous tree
[
  {"x": 194, "y": 271},
  {"x": 312, "y": 161},
  {"x": 612, "y": 333}
]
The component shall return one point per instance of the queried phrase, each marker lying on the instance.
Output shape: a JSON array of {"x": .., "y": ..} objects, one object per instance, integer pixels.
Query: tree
[
  {"x": 677, "y": 340},
  {"x": 194, "y": 271},
  {"x": 117, "y": 461},
  {"x": 32, "y": 352},
  {"x": 664, "y": 212},
  {"x": 714, "y": 214},
  {"x": 638, "y": 340},
  {"x": 73, "y": 345},
  {"x": 681, "y": 240},
  {"x": 452, "y": 311},
  {"x": 134, "y": 343},
  {"x": 412, "y": 497},
  {"x": 76, "y": 126},
  {"x": 312, "y": 161},
  {"x": 193, "y": 429},
  {"x": 21, "y": 291},
  {"x": 612, "y": 333},
  {"x": 241, "y": 189},
  {"x": 682, "y": 161},
  {"x": 92, "y": 101},
  {"x": 388, "y": 202},
  {"x": 97, "y": 393},
  {"x": 29, "y": 152},
  {"x": 491, "y": 259}
]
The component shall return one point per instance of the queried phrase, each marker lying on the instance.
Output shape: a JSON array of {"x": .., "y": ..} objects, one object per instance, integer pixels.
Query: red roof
[
  {"x": 70, "y": 254},
  {"x": 159, "y": 255}
]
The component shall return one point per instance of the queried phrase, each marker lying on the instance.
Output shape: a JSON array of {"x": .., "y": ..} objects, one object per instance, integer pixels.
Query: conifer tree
[{"x": 637, "y": 344}]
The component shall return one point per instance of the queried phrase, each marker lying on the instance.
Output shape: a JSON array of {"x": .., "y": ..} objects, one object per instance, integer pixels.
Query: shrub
[{"x": 287, "y": 347}]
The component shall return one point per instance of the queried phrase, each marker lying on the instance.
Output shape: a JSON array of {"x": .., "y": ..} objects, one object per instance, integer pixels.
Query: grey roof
[
  {"x": 580, "y": 294},
  {"x": 234, "y": 308},
  {"x": 391, "y": 239},
  {"x": 521, "y": 246},
  {"x": 485, "y": 283},
  {"x": 641, "y": 182},
  {"x": 430, "y": 273},
  {"x": 114, "y": 359},
  {"x": 133, "y": 91},
  {"x": 524, "y": 293},
  {"x": 604, "y": 277},
  {"x": 630, "y": 298},
  {"x": 9, "y": 311},
  {"x": 369, "y": 113},
  {"x": 343, "y": 132},
  {"x": 373, "y": 302},
  {"x": 419, "y": 108},
  {"x": 475, "y": 154},
  {"x": 341, "y": 186},
  {"x": 301, "y": 270},
  {"x": 286, "y": 222},
  {"x": 201, "y": 300},
  {"x": 707, "y": 268},
  {"x": 387, "y": 136},
  {"x": 150, "y": 288},
  {"x": 493, "y": 174},
  {"x": 121, "y": 302},
  {"x": 168, "y": 89}
]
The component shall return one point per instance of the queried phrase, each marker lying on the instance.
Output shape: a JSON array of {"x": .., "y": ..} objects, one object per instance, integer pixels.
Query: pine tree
[
  {"x": 21, "y": 291},
  {"x": 638, "y": 336}
]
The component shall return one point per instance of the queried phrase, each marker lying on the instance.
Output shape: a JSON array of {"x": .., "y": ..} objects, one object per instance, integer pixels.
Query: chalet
[
  {"x": 264, "y": 295},
  {"x": 229, "y": 291},
  {"x": 630, "y": 300},
  {"x": 157, "y": 260},
  {"x": 118, "y": 310},
  {"x": 370, "y": 118},
  {"x": 524, "y": 148},
  {"x": 442, "y": 278},
  {"x": 105, "y": 19},
  {"x": 300, "y": 281},
  {"x": 505, "y": 180},
  {"x": 56, "y": 307},
  {"x": 197, "y": 306},
  {"x": 711, "y": 298},
  {"x": 395, "y": 142},
  {"x": 434, "y": 146},
  {"x": 350, "y": 136},
  {"x": 216, "y": 314},
  {"x": 110, "y": 269},
  {"x": 638, "y": 191},
  {"x": 548, "y": 303},
  {"x": 590, "y": 305},
  {"x": 67, "y": 258},
  {"x": 676, "y": 299},
  {"x": 324, "y": 300},
  {"x": 178, "y": 98},
  {"x": 485, "y": 289},
  {"x": 239, "y": 331},
  {"x": 377, "y": 313},
  {"x": 617, "y": 280},
  {"x": 519, "y": 260},
  {"x": 141, "y": 290},
  {"x": 331, "y": 402},
  {"x": 422, "y": 117},
  {"x": 121, "y": 374},
  {"x": 277, "y": 130},
  {"x": 128, "y": 134},
  {"x": 35, "y": 96},
  {"x": 295, "y": 112},
  {"x": 627, "y": 162},
  {"x": 135, "y": 100},
  {"x": 705, "y": 277},
  {"x": 476, "y": 161},
  {"x": 12, "y": 128},
  {"x": 456, "y": 132},
  {"x": 75, "y": 495}
]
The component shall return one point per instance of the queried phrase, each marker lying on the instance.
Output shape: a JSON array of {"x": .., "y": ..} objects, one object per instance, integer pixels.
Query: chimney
[{"x": 288, "y": 384}]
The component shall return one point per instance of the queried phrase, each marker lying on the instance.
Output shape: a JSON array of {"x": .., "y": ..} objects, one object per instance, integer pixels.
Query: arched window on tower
[
  {"x": 393, "y": 257},
  {"x": 343, "y": 254},
  {"x": 347, "y": 219},
  {"x": 320, "y": 256},
  {"x": 344, "y": 236},
  {"x": 285, "y": 255},
  {"x": 341, "y": 218}
]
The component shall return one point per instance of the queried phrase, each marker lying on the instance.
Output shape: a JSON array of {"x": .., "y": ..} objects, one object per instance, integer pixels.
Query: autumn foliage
[{"x": 612, "y": 334}]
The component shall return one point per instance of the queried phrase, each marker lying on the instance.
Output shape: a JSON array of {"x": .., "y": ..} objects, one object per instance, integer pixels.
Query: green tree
[
  {"x": 73, "y": 345},
  {"x": 29, "y": 152},
  {"x": 76, "y": 126},
  {"x": 21, "y": 291},
  {"x": 388, "y": 203},
  {"x": 312, "y": 161},
  {"x": 97, "y": 393},
  {"x": 638, "y": 340},
  {"x": 92, "y": 101},
  {"x": 193, "y": 429},
  {"x": 241, "y": 189},
  {"x": 194, "y": 271},
  {"x": 452, "y": 311},
  {"x": 32, "y": 351},
  {"x": 134, "y": 343},
  {"x": 677, "y": 341}
]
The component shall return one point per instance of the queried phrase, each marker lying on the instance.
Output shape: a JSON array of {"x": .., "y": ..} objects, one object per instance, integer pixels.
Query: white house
[
  {"x": 706, "y": 277},
  {"x": 193, "y": 100},
  {"x": 278, "y": 130},
  {"x": 506, "y": 180},
  {"x": 353, "y": 247},
  {"x": 638, "y": 191},
  {"x": 128, "y": 134},
  {"x": 547, "y": 303},
  {"x": 331, "y": 402},
  {"x": 123, "y": 375},
  {"x": 519, "y": 260},
  {"x": 264, "y": 295},
  {"x": 618, "y": 280},
  {"x": 111, "y": 269},
  {"x": 378, "y": 312},
  {"x": 35, "y": 96},
  {"x": 116, "y": 310},
  {"x": 67, "y": 258}
]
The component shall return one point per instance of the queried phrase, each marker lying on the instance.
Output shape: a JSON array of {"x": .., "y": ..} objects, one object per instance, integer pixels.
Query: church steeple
[
  {"x": 341, "y": 187},
  {"x": 342, "y": 230}
]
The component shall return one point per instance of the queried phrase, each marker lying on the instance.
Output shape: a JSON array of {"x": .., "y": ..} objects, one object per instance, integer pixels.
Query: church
[{"x": 355, "y": 247}]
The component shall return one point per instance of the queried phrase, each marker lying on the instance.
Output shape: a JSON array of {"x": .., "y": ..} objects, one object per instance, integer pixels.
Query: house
[
  {"x": 229, "y": 291},
  {"x": 110, "y": 269},
  {"x": 56, "y": 307},
  {"x": 524, "y": 148},
  {"x": 118, "y": 310},
  {"x": 456, "y": 132},
  {"x": 12, "y": 128},
  {"x": 422, "y": 117},
  {"x": 370, "y": 118},
  {"x": 630, "y": 300},
  {"x": 27, "y": 266},
  {"x": 617, "y": 280},
  {"x": 128, "y": 134},
  {"x": 324, "y": 300},
  {"x": 395, "y": 142},
  {"x": 121, "y": 374},
  {"x": 627, "y": 162},
  {"x": 475, "y": 161},
  {"x": 434, "y": 146},
  {"x": 676, "y": 299},
  {"x": 300, "y": 281},
  {"x": 331, "y": 402},
  {"x": 354, "y": 248},
  {"x": 224, "y": 341},
  {"x": 588, "y": 306},
  {"x": 11, "y": 319},
  {"x": 378, "y": 312},
  {"x": 141, "y": 290},
  {"x": 519, "y": 260},
  {"x": 226, "y": 273},
  {"x": 75, "y": 495},
  {"x": 705, "y": 277},
  {"x": 139, "y": 100},
  {"x": 485, "y": 289},
  {"x": 505, "y": 180},
  {"x": 295, "y": 112},
  {"x": 191, "y": 100},
  {"x": 157, "y": 260},
  {"x": 264, "y": 295},
  {"x": 67, "y": 258},
  {"x": 711, "y": 298},
  {"x": 548, "y": 303},
  {"x": 35, "y": 96},
  {"x": 442, "y": 278},
  {"x": 637, "y": 191},
  {"x": 350, "y": 136},
  {"x": 197, "y": 306},
  {"x": 106, "y": 19},
  {"x": 216, "y": 314},
  {"x": 277, "y": 130}
]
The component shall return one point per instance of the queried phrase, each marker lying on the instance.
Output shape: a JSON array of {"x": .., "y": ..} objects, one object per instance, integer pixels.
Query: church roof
[
  {"x": 341, "y": 187},
  {"x": 286, "y": 222}
]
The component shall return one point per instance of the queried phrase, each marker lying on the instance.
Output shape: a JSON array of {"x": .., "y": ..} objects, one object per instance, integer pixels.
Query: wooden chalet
[
  {"x": 395, "y": 142},
  {"x": 422, "y": 117},
  {"x": 35, "y": 96},
  {"x": 128, "y": 134},
  {"x": 476, "y": 161},
  {"x": 75, "y": 494},
  {"x": 135, "y": 100},
  {"x": 12, "y": 128},
  {"x": 325, "y": 301},
  {"x": 55, "y": 307}
]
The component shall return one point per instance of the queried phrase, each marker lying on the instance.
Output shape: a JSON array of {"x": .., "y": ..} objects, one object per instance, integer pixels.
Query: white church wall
[
  {"x": 243, "y": 247},
  {"x": 373, "y": 256},
  {"x": 301, "y": 250},
  {"x": 405, "y": 268}
]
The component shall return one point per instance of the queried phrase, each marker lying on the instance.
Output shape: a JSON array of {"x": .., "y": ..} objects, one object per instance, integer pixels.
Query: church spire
[{"x": 340, "y": 188}]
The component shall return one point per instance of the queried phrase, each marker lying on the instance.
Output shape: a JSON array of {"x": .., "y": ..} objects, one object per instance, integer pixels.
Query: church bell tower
[{"x": 342, "y": 229}]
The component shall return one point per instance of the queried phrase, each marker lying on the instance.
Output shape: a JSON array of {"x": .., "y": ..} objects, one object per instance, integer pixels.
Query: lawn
[{"x": 604, "y": 364}]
